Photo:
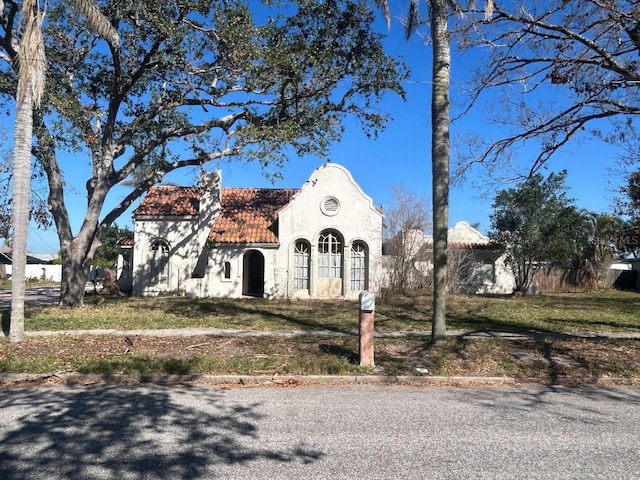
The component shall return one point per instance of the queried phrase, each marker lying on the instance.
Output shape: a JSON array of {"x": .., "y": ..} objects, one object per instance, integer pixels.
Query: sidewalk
[{"x": 218, "y": 332}]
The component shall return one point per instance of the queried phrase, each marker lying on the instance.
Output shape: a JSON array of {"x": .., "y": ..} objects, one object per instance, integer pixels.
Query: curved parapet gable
[
  {"x": 344, "y": 234},
  {"x": 463, "y": 233},
  {"x": 331, "y": 174}
]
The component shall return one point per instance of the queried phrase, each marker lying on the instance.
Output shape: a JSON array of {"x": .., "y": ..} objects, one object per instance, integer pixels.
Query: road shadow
[{"x": 130, "y": 432}]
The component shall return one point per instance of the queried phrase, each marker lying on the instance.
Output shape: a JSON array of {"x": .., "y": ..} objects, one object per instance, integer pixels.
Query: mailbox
[{"x": 367, "y": 302}]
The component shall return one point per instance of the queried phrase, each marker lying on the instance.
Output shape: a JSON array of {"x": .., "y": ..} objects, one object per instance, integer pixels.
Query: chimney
[{"x": 210, "y": 192}]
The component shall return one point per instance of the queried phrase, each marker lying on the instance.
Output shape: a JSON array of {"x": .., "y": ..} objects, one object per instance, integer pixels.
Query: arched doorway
[
  {"x": 330, "y": 266},
  {"x": 253, "y": 274}
]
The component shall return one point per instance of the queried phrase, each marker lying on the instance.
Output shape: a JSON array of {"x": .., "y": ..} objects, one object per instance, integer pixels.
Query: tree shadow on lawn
[
  {"x": 613, "y": 301},
  {"x": 556, "y": 362},
  {"x": 351, "y": 355},
  {"x": 480, "y": 324},
  {"x": 130, "y": 432},
  {"x": 306, "y": 316}
]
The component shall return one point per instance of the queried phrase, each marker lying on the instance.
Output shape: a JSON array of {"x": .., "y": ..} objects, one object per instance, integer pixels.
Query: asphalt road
[
  {"x": 355, "y": 432},
  {"x": 33, "y": 297}
]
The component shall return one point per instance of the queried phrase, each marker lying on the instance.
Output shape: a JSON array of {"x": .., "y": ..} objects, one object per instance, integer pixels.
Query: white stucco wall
[
  {"x": 196, "y": 270},
  {"x": 504, "y": 283},
  {"x": 304, "y": 218},
  {"x": 214, "y": 283},
  {"x": 186, "y": 237},
  {"x": 179, "y": 234},
  {"x": 49, "y": 273}
]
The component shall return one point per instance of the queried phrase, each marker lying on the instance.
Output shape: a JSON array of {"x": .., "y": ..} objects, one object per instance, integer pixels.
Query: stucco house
[
  {"x": 475, "y": 265},
  {"x": 323, "y": 240},
  {"x": 38, "y": 266},
  {"x": 480, "y": 265}
]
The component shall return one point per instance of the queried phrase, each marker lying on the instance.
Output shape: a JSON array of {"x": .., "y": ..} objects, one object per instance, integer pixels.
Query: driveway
[{"x": 34, "y": 297}]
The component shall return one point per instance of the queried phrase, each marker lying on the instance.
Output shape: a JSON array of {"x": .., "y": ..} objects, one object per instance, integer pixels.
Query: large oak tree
[{"x": 190, "y": 83}]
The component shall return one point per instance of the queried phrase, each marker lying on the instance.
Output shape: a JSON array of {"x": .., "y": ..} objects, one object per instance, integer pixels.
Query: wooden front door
[{"x": 330, "y": 268}]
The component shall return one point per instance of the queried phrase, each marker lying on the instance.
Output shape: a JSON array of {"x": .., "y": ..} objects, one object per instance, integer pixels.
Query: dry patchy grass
[
  {"x": 553, "y": 358},
  {"x": 584, "y": 313},
  {"x": 554, "y": 351}
]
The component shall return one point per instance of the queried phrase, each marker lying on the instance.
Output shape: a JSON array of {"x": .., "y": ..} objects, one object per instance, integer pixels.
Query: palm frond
[
  {"x": 384, "y": 6},
  {"x": 413, "y": 18},
  {"x": 96, "y": 20}
]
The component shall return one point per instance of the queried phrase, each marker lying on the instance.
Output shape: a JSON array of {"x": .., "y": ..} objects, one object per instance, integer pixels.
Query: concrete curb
[{"x": 27, "y": 379}]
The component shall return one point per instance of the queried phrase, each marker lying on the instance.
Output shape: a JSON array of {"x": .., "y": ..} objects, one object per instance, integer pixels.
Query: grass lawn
[
  {"x": 569, "y": 313},
  {"x": 549, "y": 355}
]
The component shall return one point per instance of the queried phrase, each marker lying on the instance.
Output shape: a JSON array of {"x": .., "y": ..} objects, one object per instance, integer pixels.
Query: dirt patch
[{"x": 67, "y": 348}]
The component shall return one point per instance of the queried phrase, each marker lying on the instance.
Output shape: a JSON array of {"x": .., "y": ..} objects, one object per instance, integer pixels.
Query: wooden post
[{"x": 367, "y": 308}]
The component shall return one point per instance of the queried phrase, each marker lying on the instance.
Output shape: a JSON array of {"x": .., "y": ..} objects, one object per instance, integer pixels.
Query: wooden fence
[{"x": 574, "y": 280}]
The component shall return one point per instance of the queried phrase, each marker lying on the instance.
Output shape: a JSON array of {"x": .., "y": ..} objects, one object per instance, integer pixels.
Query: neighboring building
[
  {"x": 323, "y": 240},
  {"x": 474, "y": 264},
  {"x": 478, "y": 264},
  {"x": 39, "y": 266},
  {"x": 625, "y": 274}
]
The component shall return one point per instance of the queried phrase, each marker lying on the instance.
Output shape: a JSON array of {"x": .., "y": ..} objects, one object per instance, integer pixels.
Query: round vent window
[{"x": 330, "y": 206}]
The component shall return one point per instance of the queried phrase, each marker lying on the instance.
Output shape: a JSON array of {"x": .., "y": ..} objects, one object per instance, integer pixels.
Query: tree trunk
[
  {"x": 440, "y": 163},
  {"x": 20, "y": 221},
  {"x": 75, "y": 271},
  {"x": 76, "y": 251}
]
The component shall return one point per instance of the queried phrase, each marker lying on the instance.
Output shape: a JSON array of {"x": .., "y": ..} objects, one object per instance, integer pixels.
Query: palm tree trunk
[
  {"x": 28, "y": 96},
  {"x": 440, "y": 163},
  {"x": 20, "y": 220}
]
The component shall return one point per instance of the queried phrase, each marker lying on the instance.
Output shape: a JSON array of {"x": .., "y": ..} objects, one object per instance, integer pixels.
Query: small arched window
[
  {"x": 301, "y": 256},
  {"x": 358, "y": 266},
  {"x": 159, "y": 262}
]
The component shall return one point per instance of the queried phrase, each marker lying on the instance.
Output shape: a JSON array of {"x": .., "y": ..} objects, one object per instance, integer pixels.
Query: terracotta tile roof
[
  {"x": 170, "y": 201},
  {"x": 249, "y": 215},
  {"x": 125, "y": 241}
]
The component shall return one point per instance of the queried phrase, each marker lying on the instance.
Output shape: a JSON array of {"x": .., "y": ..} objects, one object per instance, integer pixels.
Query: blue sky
[{"x": 399, "y": 156}]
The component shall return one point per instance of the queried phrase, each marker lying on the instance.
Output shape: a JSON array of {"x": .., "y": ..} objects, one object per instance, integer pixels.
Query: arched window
[
  {"x": 329, "y": 255},
  {"x": 159, "y": 262},
  {"x": 358, "y": 266},
  {"x": 301, "y": 257}
]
